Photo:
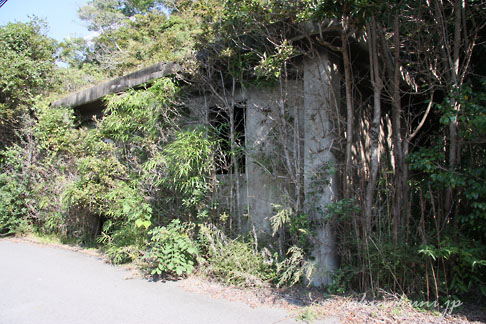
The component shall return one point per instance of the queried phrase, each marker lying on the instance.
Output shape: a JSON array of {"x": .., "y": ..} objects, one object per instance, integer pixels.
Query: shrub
[
  {"x": 12, "y": 208},
  {"x": 294, "y": 267},
  {"x": 122, "y": 240},
  {"x": 171, "y": 250},
  {"x": 234, "y": 261},
  {"x": 239, "y": 265}
]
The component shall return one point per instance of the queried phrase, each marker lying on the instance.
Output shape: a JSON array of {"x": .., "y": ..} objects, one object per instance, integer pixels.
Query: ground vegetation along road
[{"x": 43, "y": 284}]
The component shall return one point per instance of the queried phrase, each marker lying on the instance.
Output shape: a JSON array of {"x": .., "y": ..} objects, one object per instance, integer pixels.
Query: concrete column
[{"x": 320, "y": 182}]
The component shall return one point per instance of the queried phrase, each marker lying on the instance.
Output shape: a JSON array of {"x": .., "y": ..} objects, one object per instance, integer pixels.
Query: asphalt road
[{"x": 42, "y": 284}]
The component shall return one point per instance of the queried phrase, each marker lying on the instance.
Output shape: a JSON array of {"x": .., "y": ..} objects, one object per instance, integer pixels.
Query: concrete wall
[
  {"x": 262, "y": 192},
  {"x": 267, "y": 183},
  {"x": 199, "y": 108},
  {"x": 310, "y": 103}
]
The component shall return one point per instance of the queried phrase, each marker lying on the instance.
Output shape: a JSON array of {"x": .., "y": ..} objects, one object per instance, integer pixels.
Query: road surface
[{"x": 42, "y": 284}]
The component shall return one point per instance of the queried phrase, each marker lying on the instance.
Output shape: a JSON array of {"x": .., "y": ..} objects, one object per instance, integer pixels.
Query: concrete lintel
[{"x": 120, "y": 84}]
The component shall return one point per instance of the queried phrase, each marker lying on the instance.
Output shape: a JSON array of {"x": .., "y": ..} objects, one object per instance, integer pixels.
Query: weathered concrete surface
[
  {"x": 312, "y": 103},
  {"x": 263, "y": 120},
  {"x": 319, "y": 180},
  {"x": 40, "y": 284},
  {"x": 261, "y": 189},
  {"x": 125, "y": 82}
]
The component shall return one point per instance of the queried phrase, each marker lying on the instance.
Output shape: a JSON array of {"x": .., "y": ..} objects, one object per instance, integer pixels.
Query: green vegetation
[
  {"x": 26, "y": 71},
  {"x": 12, "y": 211},
  {"x": 140, "y": 181},
  {"x": 171, "y": 250},
  {"x": 235, "y": 261}
]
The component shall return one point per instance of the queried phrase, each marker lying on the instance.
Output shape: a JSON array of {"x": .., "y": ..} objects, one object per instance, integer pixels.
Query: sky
[{"x": 61, "y": 15}]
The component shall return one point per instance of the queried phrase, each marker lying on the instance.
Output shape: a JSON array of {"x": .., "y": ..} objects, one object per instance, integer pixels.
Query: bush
[
  {"x": 12, "y": 208},
  {"x": 235, "y": 262},
  {"x": 122, "y": 240},
  {"x": 171, "y": 250},
  {"x": 294, "y": 267}
]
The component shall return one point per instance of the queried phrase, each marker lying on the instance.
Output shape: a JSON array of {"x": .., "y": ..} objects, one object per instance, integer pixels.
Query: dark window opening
[{"x": 220, "y": 121}]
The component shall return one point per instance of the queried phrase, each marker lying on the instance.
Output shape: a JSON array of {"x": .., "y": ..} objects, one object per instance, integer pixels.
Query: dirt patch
[
  {"x": 346, "y": 310},
  {"x": 396, "y": 310}
]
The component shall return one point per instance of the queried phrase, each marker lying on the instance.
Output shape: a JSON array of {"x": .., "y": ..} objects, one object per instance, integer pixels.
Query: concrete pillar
[{"x": 320, "y": 182}]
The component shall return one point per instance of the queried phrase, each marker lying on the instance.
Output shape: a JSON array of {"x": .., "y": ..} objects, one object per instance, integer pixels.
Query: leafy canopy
[{"x": 26, "y": 70}]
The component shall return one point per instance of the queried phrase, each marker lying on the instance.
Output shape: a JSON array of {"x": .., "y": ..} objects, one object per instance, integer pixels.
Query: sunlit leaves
[
  {"x": 140, "y": 115},
  {"x": 26, "y": 70},
  {"x": 171, "y": 250}
]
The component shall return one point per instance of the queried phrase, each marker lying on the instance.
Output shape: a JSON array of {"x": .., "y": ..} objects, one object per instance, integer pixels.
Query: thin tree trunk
[
  {"x": 399, "y": 182},
  {"x": 234, "y": 168},
  {"x": 348, "y": 173},
  {"x": 349, "y": 109},
  {"x": 377, "y": 83},
  {"x": 455, "y": 83},
  {"x": 451, "y": 53}
]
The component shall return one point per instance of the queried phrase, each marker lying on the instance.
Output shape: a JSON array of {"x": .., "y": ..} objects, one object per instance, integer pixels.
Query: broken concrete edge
[{"x": 120, "y": 84}]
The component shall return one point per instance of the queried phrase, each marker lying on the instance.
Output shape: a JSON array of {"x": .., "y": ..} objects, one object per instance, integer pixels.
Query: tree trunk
[
  {"x": 399, "y": 181},
  {"x": 377, "y": 84},
  {"x": 349, "y": 109}
]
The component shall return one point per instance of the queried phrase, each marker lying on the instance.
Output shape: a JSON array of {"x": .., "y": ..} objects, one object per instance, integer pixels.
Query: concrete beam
[{"x": 120, "y": 84}]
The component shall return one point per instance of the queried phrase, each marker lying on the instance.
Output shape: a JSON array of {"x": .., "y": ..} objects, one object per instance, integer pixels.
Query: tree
[
  {"x": 26, "y": 70},
  {"x": 134, "y": 34}
]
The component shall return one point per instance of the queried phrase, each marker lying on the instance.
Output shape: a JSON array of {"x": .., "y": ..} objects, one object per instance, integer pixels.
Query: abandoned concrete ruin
[{"x": 311, "y": 100}]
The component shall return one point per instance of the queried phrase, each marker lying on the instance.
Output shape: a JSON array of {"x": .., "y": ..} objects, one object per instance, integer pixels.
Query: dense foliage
[
  {"x": 26, "y": 70},
  {"x": 130, "y": 35},
  {"x": 410, "y": 216}
]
